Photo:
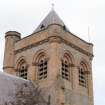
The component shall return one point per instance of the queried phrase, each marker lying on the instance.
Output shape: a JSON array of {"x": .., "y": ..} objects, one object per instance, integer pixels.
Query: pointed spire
[
  {"x": 51, "y": 18},
  {"x": 53, "y": 6}
]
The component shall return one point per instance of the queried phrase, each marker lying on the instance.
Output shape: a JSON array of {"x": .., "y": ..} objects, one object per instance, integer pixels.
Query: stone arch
[
  {"x": 40, "y": 61},
  {"x": 67, "y": 54},
  {"x": 85, "y": 64},
  {"x": 40, "y": 53},
  {"x": 22, "y": 67},
  {"x": 83, "y": 71},
  {"x": 19, "y": 62},
  {"x": 67, "y": 62}
]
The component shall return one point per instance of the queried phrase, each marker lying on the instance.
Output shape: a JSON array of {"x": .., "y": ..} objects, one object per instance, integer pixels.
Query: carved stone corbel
[{"x": 55, "y": 39}]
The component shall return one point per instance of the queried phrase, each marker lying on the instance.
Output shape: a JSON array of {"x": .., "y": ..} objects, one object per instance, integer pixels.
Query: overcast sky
[{"x": 24, "y": 16}]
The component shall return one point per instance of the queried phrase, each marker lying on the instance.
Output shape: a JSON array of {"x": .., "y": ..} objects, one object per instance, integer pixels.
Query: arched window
[
  {"x": 22, "y": 69},
  {"x": 82, "y": 75},
  {"x": 65, "y": 67},
  {"x": 42, "y": 67}
]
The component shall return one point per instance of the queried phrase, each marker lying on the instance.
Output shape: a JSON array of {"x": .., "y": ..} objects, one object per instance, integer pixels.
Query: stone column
[
  {"x": 31, "y": 72},
  {"x": 90, "y": 88},
  {"x": 11, "y": 37},
  {"x": 54, "y": 58},
  {"x": 75, "y": 81}
]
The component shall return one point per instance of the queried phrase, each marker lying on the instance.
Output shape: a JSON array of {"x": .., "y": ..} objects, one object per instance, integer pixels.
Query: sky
[{"x": 84, "y": 18}]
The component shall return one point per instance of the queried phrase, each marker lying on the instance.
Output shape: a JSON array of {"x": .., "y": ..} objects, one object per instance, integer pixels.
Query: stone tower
[{"x": 59, "y": 62}]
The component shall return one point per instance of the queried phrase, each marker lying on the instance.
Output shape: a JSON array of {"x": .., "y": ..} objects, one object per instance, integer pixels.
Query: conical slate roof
[{"x": 51, "y": 18}]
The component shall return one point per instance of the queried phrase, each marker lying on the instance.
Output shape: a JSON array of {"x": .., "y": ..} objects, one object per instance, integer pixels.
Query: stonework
[{"x": 54, "y": 42}]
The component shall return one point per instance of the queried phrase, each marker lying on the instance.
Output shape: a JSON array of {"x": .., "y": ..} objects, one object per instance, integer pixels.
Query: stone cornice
[
  {"x": 30, "y": 46},
  {"x": 57, "y": 39},
  {"x": 77, "y": 48},
  {"x": 6, "y": 67}
]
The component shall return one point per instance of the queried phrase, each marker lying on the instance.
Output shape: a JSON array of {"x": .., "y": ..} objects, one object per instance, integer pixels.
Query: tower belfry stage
[{"x": 59, "y": 62}]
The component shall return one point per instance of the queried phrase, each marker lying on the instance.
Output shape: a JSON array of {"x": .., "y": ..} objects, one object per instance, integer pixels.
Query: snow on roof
[
  {"x": 8, "y": 86},
  {"x": 18, "y": 91}
]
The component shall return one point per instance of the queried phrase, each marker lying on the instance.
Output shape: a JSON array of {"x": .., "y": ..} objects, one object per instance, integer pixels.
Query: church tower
[{"x": 59, "y": 62}]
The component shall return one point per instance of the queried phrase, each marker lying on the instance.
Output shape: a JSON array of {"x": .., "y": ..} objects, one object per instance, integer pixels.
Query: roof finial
[
  {"x": 53, "y": 6},
  {"x": 89, "y": 34}
]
